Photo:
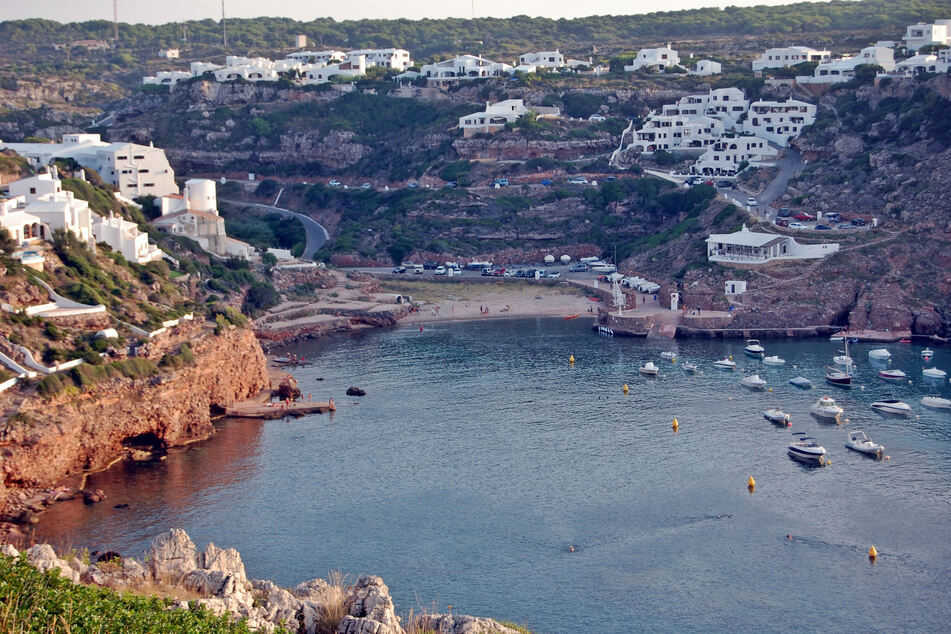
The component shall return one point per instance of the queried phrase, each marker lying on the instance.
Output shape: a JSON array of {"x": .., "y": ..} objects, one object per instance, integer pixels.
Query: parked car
[
  {"x": 726, "y": 184},
  {"x": 501, "y": 182},
  {"x": 844, "y": 225},
  {"x": 546, "y": 182},
  {"x": 520, "y": 273},
  {"x": 833, "y": 217},
  {"x": 784, "y": 212},
  {"x": 399, "y": 269},
  {"x": 554, "y": 275},
  {"x": 334, "y": 183},
  {"x": 412, "y": 185},
  {"x": 858, "y": 222},
  {"x": 803, "y": 216},
  {"x": 451, "y": 185},
  {"x": 366, "y": 186},
  {"x": 430, "y": 265},
  {"x": 578, "y": 268},
  {"x": 796, "y": 225},
  {"x": 578, "y": 180},
  {"x": 822, "y": 227},
  {"x": 782, "y": 222},
  {"x": 440, "y": 270},
  {"x": 596, "y": 117},
  {"x": 751, "y": 202},
  {"x": 610, "y": 179}
]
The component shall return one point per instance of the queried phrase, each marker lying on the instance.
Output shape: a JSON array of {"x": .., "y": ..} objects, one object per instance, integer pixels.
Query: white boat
[
  {"x": 806, "y": 449},
  {"x": 927, "y": 353},
  {"x": 753, "y": 382},
  {"x": 669, "y": 355},
  {"x": 879, "y": 353},
  {"x": 776, "y": 415},
  {"x": 934, "y": 373},
  {"x": 725, "y": 364},
  {"x": 801, "y": 381},
  {"x": 936, "y": 402},
  {"x": 689, "y": 367},
  {"x": 858, "y": 441},
  {"x": 774, "y": 360},
  {"x": 842, "y": 378},
  {"x": 825, "y": 407},
  {"x": 753, "y": 348},
  {"x": 891, "y": 375},
  {"x": 837, "y": 337},
  {"x": 649, "y": 368},
  {"x": 891, "y": 405},
  {"x": 843, "y": 359}
]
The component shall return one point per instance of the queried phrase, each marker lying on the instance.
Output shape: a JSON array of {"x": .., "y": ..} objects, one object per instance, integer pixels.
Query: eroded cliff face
[{"x": 69, "y": 434}]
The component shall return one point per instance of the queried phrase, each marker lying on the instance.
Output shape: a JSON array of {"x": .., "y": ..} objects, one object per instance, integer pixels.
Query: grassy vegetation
[{"x": 34, "y": 601}]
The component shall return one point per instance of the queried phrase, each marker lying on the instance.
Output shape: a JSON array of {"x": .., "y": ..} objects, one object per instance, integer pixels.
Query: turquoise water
[{"x": 478, "y": 458}]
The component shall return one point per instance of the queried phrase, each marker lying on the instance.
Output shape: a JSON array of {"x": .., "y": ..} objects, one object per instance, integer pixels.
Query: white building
[
  {"x": 749, "y": 247},
  {"x": 694, "y": 122},
  {"x": 318, "y": 57},
  {"x": 395, "y": 58},
  {"x": 724, "y": 157},
  {"x": 921, "y": 35},
  {"x": 300, "y": 41},
  {"x": 200, "y": 68},
  {"x": 839, "y": 70},
  {"x": 168, "y": 53},
  {"x": 137, "y": 170},
  {"x": 166, "y": 78},
  {"x": 496, "y": 115},
  {"x": 706, "y": 67},
  {"x": 918, "y": 64},
  {"x": 542, "y": 59},
  {"x": 124, "y": 237},
  {"x": 779, "y": 121},
  {"x": 194, "y": 215},
  {"x": 654, "y": 59},
  {"x": 319, "y": 74},
  {"x": 464, "y": 67},
  {"x": 789, "y": 56}
]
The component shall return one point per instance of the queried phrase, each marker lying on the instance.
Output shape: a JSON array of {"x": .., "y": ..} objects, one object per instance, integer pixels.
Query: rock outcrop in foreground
[{"x": 217, "y": 580}]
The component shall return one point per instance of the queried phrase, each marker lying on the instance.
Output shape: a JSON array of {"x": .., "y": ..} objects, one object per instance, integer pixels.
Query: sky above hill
[{"x": 136, "y": 11}]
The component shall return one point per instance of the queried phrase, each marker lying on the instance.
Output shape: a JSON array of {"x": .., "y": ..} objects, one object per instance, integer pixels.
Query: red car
[{"x": 804, "y": 216}]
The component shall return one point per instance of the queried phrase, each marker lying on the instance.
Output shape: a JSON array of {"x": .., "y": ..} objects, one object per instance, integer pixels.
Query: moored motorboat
[
  {"x": 936, "y": 402},
  {"x": 843, "y": 359},
  {"x": 725, "y": 364},
  {"x": 753, "y": 348},
  {"x": 826, "y": 408},
  {"x": 835, "y": 376},
  {"x": 689, "y": 367},
  {"x": 891, "y": 374},
  {"x": 927, "y": 353},
  {"x": 776, "y": 415},
  {"x": 891, "y": 405},
  {"x": 837, "y": 337},
  {"x": 934, "y": 373},
  {"x": 806, "y": 449},
  {"x": 802, "y": 382},
  {"x": 774, "y": 360},
  {"x": 753, "y": 382},
  {"x": 669, "y": 355},
  {"x": 858, "y": 441},
  {"x": 879, "y": 353},
  {"x": 649, "y": 368}
]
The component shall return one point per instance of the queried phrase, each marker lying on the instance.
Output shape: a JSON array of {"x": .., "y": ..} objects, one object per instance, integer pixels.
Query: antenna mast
[
  {"x": 224, "y": 31},
  {"x": 115, "y": 20}
]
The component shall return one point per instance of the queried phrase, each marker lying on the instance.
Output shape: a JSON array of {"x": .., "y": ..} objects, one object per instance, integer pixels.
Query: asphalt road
[{"x": 316, "y": 233}]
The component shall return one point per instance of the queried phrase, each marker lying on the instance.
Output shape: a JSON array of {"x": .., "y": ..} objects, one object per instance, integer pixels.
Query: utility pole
[
  {"x": 224, "y": 31},
  {"x": 115, "y": 20}
]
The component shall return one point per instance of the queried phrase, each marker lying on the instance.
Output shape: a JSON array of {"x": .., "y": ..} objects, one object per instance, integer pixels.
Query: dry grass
[{"x": 334, "y": 603}]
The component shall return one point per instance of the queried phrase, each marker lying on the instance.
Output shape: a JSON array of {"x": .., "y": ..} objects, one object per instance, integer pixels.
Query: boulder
[
  {"x": 92, "y": 496},
  {"x": 460, "y": 624},
  {"x": 9, "y": 550},
  {"x": 370, "y": 598},
  {"x": 227, "y": 560},
  {"x": 172, "y": 554},
  {"x": 357, "y": 625},
  {"x": 355, "y": 391},
  {"x": 43, "y": 557},
  {"x": 314, "y": 590}
]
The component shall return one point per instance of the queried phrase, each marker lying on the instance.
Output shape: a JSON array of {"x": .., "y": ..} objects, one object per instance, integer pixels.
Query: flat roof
[{"x": 748, "y": 238}]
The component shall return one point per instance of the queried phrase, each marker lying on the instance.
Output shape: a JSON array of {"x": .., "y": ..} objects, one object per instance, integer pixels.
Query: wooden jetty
[{"x": 279, "y": 409}]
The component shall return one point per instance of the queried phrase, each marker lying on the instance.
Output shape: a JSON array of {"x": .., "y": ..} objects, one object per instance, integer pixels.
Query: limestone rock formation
[
  {"x": 370, "y": 598},
  {"x": 461, "y": 624},
  {"x": 355, "y": 391}
]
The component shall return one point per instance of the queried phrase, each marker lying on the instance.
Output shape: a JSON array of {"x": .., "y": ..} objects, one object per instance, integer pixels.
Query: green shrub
[{"x": 49, "y": 385}]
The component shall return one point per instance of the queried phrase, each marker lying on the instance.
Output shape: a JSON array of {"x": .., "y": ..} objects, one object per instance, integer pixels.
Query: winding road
[{"x": 317, "y": 235}]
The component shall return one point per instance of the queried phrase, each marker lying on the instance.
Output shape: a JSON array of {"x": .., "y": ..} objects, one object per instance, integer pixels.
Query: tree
[{"x": 7, "y": 243}]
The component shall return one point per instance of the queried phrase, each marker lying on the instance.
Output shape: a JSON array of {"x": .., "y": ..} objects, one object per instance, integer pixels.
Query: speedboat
[
  {"x": 842, "y": 359},
  {"x": 879, "y": 353},
  {"x": 649, "y": 368},
  {"x": 927, "y": 353},
  {"x": 669, "y": 355},
  {"x": 825, "y": 407},
  {"x": 725, "y": 364},
  {"x": 837, "y": 337},
  {"x": 936, "y": 402},
  {"x": 891, "y": 375},
  {"x": 806, "y": 449},
  {"x": 753, "y": 348},
  {"x": 689, "y": 367},
  {"x": 934, "y": 373},
  {"x": 858, "y": 441},
  {"x": 776, "y": 415},
  {"x": 753, "y": 382},
  {"x": 835, "y": 376},
  {"x": 891, "y": 405},
  {"x": 801, "y": 381},
  {"x": 774, "y": 360}
]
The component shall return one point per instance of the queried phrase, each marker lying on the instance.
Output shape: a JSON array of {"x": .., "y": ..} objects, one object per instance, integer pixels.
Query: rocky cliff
[{"x": 75, "y": 432}]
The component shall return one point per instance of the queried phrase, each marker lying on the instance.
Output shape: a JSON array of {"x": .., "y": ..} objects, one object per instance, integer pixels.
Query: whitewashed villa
[
  {"x": 789, "y": 56},
  {"x": 654, "y": 59},
  {"x": 750, "y": 247}
]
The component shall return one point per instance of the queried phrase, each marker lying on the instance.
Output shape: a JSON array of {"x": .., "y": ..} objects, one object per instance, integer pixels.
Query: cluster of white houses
[
  {"x": 496, "y": 115},
  {"x": 723, "y": 129}
]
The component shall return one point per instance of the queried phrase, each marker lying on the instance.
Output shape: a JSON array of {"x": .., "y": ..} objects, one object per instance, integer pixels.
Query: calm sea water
[{"x": 478, "y": 459}]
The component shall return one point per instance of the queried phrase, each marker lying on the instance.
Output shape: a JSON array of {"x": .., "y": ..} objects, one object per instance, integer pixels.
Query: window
[
  {"x": 144, "y": 171},
  {"x": 149, "y": 185},
  {"x": 138, "y": 157},
  {"x": 33, "y": 190},
  {"x": 122, "y": 158}
]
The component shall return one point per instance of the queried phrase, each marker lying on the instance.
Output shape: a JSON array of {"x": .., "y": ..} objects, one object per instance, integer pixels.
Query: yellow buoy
[
  {"x": 872, "y": 553},
  {"x": 675, "y": 424},
  {"x": 770, "y": 389},
  {"x": 624, "y": 388},
  {"x": 571, "y": 359},
  {"x": 751, "y": 482}
]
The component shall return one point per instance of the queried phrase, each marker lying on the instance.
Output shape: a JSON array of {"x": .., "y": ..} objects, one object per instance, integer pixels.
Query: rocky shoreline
[{"x": 215, "y": 579}]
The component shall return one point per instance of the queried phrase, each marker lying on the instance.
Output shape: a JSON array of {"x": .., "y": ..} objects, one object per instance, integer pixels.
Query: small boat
[
  {"x": 879, "y": 353},
  {"x": 888, "y": 404},
  {"x": 802, "y": 382},
  {"x": 606, "y": 331},
  {"x": 776, "y": 415},
  {"x": 904, "y": 340},
  {"x": 753, "y": 382},
  {"x": 891, "y": 375},
  {"x": 825, "y": 407},
  {"x": 753, "y": 348},
  {"x": 649, "y": 368},
  {"x": 689, "y": 367},
  {"x": 927, "y": 353},
  {"x": 858, "y": 441},
  {"x": 806, "y": 449},
  {"x": 934, "y": 373},
  {"x": 575, "y": 316},
  {"x": 843, "y": 359},
  {"x": 836, "y": 338},
  {"x": 774, "y": 360},
  {"x": 669, "y": 355},
  {"x": 835, "y": 376},
  {"x": 725, "y": 364},
  {"x": 936, "y": 402}
]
